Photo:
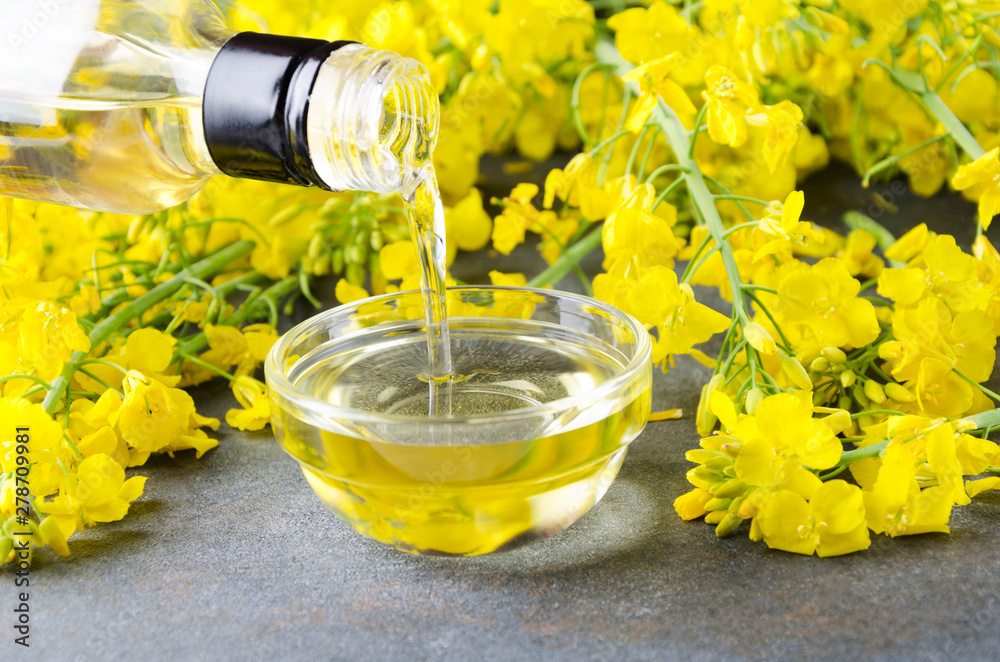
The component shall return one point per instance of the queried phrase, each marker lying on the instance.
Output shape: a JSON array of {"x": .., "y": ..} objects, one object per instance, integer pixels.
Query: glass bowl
[{"x": 549, "y": 390}]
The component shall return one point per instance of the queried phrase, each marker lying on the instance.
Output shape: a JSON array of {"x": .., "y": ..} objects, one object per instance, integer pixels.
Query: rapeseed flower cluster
[
  {"x": 831, "y": 358},
  {"x": 847, "y": 388}
]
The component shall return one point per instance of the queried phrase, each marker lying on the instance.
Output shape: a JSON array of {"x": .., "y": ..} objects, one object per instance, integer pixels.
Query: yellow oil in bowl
[{"x": 533, "y": 431}]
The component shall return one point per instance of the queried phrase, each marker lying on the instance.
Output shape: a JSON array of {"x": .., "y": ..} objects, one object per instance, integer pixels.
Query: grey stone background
[{"x": 232, "y": 557}]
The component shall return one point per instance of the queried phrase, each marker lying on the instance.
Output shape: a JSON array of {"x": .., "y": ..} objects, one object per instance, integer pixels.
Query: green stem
[
  {"x": 697, "y": 129},
  {"x": 870, "y": 412},
  {"x": 890, "y": 161},
  {"x": 680, "y": 143},
  {"x": 569, "y": 259},
  {"x": 635, "y": 149},
  {"x": 277, "y": 291},
  {"x": 976, "y": 384},
  {"x": 849, "y": 457},
  {"x": 667, "y": 191},
  {"x": 207, "y": 366},
  {"x": 33, "y": 378},
  {"x": 115, "y": 322},
  {"x": 662, "y": 169},
  {"x": 952, "y": 124},
  {"x": 742, "y": 198}
]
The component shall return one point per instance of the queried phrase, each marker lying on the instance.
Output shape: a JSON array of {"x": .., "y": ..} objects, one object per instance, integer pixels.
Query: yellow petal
[{"x": 346, "y": 293}]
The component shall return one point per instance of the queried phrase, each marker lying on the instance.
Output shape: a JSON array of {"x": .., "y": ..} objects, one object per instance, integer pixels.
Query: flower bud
[
  {"x": 135, "y": 228},
  {"x": 891, "y": 349},
  {"x": 718, "y": 504},
  {"x": 874, "y": 392},
  {"x": 844, "y": 402},
  {"x": 716, "y": 516},
  {"x": 330, "y": 208},
  {"x": 719, "y": 463},
  {"x": 859, "y": 396},
  {"x": 865, "y": 421},
  {"x": 285, "y": 215},
  {"x": 819, "y": 364},
  {"x": 316, "y": 246},
  {"x": 796, "y": 373},
  {"x": 847, "y": 378},
  {"x": 702, "y": 477},
  {"x": 705, "y": 419},
  {"x": 759, "y": 338},
  {"x": 728, "y": 489},
  {"x": 337, "y": 261},
  {"x": 732, "y": 449},
  {"x": 322, "y": 266},
  {"x": 825, "y": 20},
  {"x": 728, "y": 525},
  {"x": 754, "y": 397},
  {"x": 52, "y": 536},
  {"x": 356, "y": 254},
  {"x": 834, "y": 355},
  {"x": 355, "y": 274},
  {"x": 702, "y": 455},
  {"x": 899, "y": 393}
]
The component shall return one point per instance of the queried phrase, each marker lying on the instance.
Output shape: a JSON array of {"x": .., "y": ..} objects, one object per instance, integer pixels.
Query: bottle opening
[{"x": 372, "y": 121}]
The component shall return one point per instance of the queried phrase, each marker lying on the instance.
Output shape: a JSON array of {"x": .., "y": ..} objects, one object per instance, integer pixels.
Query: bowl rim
[{"x": 277, "y": 379}]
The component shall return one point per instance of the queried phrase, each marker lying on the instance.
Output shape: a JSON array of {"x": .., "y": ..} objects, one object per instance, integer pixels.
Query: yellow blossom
[
  {"x": 633, "y": 232},
  {"x": 780, "y": 440},
  {"x": 858, "y": 257},
  {"x": 96, "y": 492},
  {"x": 941, "y": 269},
  {"x": 895, "y": 504},
  {"x": 468, "y": 224},
  {"x": 43, "y": 450},
  {"x": 982, "y": 176},
  {"x": 657, "y": 300},
  {"x": 348, "y": 293},
  {"x": 643, "y": 34},
  {"x": 48, "y": 337},
  {"x": 252, "y": 396},
  {"x": 830, "y": 523},
  {"x": 780, "y": 227},
  {"x": 155, "y": 418},
  {"x": 781, "y": 123},
  {"x": 729, "y": 99},
  {"x": 654, "y": 84},
  {"x": 759, "y": 338},
  {"x": 823, "y": 299}
]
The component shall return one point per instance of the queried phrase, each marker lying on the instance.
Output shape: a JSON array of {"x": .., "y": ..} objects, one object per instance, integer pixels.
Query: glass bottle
[{"x": 130, "y": 106}]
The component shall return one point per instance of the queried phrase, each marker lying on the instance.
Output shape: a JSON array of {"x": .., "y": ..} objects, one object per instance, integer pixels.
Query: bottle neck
[{"x": 256, "y": 103}]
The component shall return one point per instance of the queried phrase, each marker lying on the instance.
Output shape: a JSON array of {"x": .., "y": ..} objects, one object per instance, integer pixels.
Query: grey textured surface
[{"x": 233, "y": 557}]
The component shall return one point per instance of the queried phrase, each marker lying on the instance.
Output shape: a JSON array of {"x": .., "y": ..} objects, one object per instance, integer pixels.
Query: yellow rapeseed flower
[
  {"x": 96, "y": 492},
  {"x": 982, "y": 178},
  {"x": 780, "y": 440},
  {"x": 830, "y": 523},
  {"x": 252, "y": 396}
]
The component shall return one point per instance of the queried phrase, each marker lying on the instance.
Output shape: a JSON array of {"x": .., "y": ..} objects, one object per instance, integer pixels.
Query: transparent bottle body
[
  {"x": 100, "y": 101},
  {"x": 101, "y": 106}
]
